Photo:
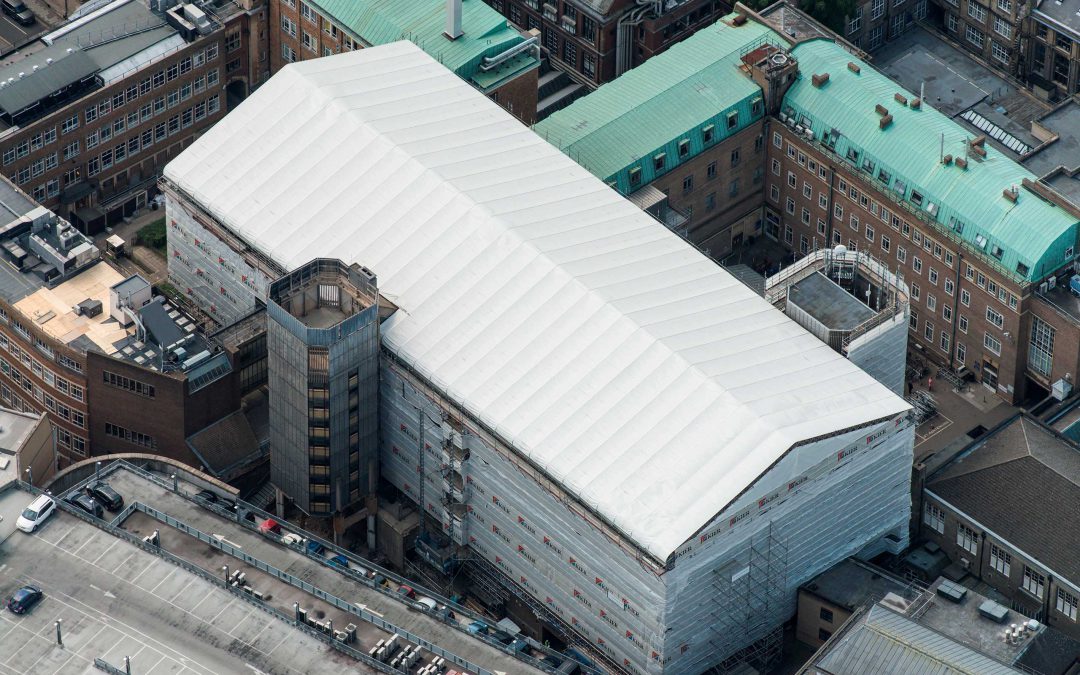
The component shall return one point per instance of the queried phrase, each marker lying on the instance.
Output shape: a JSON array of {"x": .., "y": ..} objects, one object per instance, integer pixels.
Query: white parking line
[
  {"x": 124, "y": 562},
  {"x": 60, "y": 539},
  {"x": 167, "y": 577},
  {"x": 240, "y": 623},
  {"x": 228, "y": 605},
  {"x": 84, "y": 544},
  {"x": 104, "y": 552},
  {"x": 181, "y": 591},
  {"x": 153, "y": 562}
]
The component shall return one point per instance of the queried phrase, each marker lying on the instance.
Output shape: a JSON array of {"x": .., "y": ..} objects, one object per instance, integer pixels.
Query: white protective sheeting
[{"x": 635, "y": 371}]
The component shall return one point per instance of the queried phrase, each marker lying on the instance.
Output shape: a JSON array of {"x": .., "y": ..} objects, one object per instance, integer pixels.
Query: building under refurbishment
[
  {"x": 607, "y": 424},
  {"x": 854, "y": 303}
]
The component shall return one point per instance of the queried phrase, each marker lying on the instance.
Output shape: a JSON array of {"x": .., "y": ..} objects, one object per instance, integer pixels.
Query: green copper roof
[
  {"x": 1029, "y": 238},
  {"x": 670, "y": 97},
  {"x": 422, "y": 22}
]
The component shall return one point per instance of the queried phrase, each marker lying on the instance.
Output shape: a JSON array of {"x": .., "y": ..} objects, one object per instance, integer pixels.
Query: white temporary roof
[{"x": 646, "y": 379}]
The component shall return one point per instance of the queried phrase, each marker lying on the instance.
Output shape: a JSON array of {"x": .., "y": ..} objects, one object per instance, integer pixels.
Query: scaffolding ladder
[{"x": 745, "y": 629}]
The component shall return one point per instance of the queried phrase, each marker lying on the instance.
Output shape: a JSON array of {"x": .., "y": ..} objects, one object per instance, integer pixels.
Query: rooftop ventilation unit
[
  {"x": 993, "y": 611},
  {"x": 951, "y": 592}
]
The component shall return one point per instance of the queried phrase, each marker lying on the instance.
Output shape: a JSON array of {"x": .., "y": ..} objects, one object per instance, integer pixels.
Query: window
[
  {"x": 928, "y": 332},
  {"x": 946, "y": 313},
  {"x": 961, "y": 353},
  {"x": 934, "y": 516},
  {"x": 966, "y": 538},
  {"x": 1002, "y": 27},
  {"x": 1005, "y": 5},
  {"x": 901, "y": 254},
  {"x": 976, "y": 11},
  {"x": 975, "y": 36},
  {"x": 915, "y": 291},
  {"x": 1066, "y": 603},
  {"x": 777, "y": 139},
  {"x": 288, "y": 54},
  {"x": 776, "y": 167},
  {"x": 733, "y": 188},
  {"x": 992, "y": 344},
  {"x": 1041, "y": 350},
  {"x": 931, "y": 302},
  {"x": 826, "y": 615},
  {"x": 792, "y": 181},
  {"x": 70, "y": 124},
  {"x": 807, "y": 190},
  {"x": 821, "y": 227},
  {"x": 869, "y": 231},
  {"x": 1034, "y": 582},
  {"x": 130, "y": 436},
  {"x": 855, "y": 22},
  {"x": 790, "y": 206},
  {"x": 995, "y": 317},
  {"x": 998, "y": 52},
  {"x": 688, "y": 184},
  {"x": 1000, "y": 559},
  {"x": 774, "y": 193},
  {"x": 963, "y": 324},
  {"x": 933, "y": 276},
  {"x": 71, "y": 150},
  {"x": 308, "y": 41},
  {"x": 823, "y": 634},
  {"x": 710, "y": 171},
  {"x": 684, "y": 148},
  {"x": 733, "y": 119},
  {"x": 916, "y": 264},
  {"x": 308, "y": 13},
  {"x": 805, "y": 216},
  {"x": 736, "y": 155},
  {"x": 708, "y": 134},
  {"x": 288, "y": 26},
  {"x": 878, "y": 9},
  {"x": 944, "y": 343}
]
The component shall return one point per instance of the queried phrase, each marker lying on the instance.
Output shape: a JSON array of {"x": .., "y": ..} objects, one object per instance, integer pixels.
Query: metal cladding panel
[{"x": 287, "y": 377}]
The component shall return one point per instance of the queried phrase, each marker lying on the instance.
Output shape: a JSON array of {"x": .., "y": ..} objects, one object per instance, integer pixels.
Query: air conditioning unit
[
  {"x": 1061, "y": 390},
  {"x": 1042, "y": 287},
  {"x": 1051, "y": 282},
  {"x": 783, "y": 117}
]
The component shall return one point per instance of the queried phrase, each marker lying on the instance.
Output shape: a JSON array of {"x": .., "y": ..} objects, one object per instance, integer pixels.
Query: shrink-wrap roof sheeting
[{"x": 643, "y": 377}]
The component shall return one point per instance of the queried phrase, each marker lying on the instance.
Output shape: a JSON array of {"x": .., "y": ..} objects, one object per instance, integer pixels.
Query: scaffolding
[
  {"x": 747, "y": 629},
  {"x": 483, "y": 575}
]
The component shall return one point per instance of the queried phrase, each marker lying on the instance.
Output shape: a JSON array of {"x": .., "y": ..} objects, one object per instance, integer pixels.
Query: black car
[
  {"x": 106, "y": 496},
  {"x": 207, "y": 496},
  {"x": 24, "y": 598},
  {"x": 85, "y": 503},
  {"x": 18, "y": 11}
]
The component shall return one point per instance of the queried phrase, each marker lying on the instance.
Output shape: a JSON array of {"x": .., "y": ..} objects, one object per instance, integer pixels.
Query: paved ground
[
  {"x": 140, "y": 259},
  {"x": 116, "y": 600},
  {"x": 134, "y": 487}
]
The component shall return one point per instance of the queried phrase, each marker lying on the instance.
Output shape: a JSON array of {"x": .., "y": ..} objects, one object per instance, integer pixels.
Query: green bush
[{"x": 153, "y": 235}]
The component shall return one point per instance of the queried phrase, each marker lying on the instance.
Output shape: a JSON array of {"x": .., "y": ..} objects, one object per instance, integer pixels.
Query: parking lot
[
  {"x": 115, "y": 600},
  {"x": 135, "y": 487}
]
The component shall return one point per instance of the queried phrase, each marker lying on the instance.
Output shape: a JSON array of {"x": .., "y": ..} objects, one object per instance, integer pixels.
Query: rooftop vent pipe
[{"x": 453, "y": 19}]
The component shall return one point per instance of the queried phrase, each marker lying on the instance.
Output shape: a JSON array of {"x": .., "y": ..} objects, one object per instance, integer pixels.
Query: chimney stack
[{"x": 453, "y": 19}]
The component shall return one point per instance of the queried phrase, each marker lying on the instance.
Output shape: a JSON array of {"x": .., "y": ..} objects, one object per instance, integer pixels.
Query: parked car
[
  {"x": 207, "y": 496},
  {"x": 18, "y": 11},
  {"x": 36, "y": 513},
  {"x": 269, "y": 525},
  {"x": 315, "y": 548},
  {"x": 86, "y": 503},
  {"x": 23, "y": 599},
  {"x": 406, "y": 591},
  {"x": 105, "y": 495}
]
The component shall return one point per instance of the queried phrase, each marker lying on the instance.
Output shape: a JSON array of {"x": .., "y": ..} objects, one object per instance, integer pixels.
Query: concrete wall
[{"x": 882, "y": 352}]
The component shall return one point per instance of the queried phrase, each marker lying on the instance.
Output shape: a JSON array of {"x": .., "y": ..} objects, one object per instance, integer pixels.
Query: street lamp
[{"x": 30, "y": 476}]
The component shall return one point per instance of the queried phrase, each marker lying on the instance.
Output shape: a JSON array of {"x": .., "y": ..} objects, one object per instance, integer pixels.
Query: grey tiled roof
[{"x": 1022, "y": 482}]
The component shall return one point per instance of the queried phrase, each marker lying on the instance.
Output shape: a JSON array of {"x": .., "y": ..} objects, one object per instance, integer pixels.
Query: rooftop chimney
[{"x": 453, "y": 19}]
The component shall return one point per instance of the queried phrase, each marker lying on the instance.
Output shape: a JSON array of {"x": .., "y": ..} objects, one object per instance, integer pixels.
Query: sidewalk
[
  {"x": 139, "y": 259},
  {"x": 958, "y": 413}
]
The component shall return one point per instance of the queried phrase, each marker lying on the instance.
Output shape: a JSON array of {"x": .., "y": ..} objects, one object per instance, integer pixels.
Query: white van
[{"x": 35, "y": 514}]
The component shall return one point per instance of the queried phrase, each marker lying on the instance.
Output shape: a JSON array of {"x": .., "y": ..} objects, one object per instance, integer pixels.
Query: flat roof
[
  {"x": 653, "y": 385},
  {"x": 50, "y": 309},
  {"x": 423, "y": 22},
  {"x": 824, "y": 300},
  {"x": 852, "y": 584},
  {"x": 1062, "y": 12},
  {"x": 1034, "y": 235},
  {"x": 628, "y": 120}
]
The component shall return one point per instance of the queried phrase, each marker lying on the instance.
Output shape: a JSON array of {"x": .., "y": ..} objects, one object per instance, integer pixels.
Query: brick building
[
  {"x": 1003, "y": 509},
  {"x": 837, "y": 153},
  {"x": 992, "y": 30},
  {"x": 852, "y": 159},
  {"x": 488, "y": 53},
  {"x": 595, "y": 41},
  {"x": 877, "y": 22},
  {"x": 91, "y": 113},
  {"x": 1052, "y": 31},
  {"x": 698, "y": 116}
]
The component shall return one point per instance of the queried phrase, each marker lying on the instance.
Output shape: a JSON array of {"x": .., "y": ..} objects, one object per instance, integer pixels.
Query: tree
[{"x": 832, "y": 13}]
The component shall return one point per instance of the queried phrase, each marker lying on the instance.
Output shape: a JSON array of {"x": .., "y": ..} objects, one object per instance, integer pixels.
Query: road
[{"x": 13, "y": 35}]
